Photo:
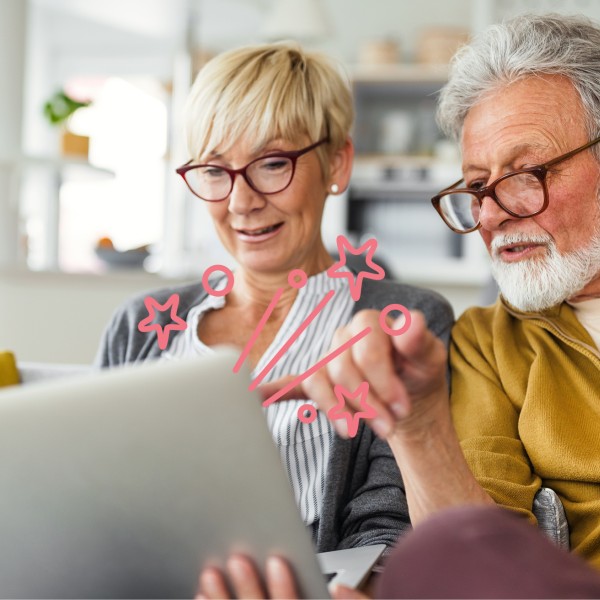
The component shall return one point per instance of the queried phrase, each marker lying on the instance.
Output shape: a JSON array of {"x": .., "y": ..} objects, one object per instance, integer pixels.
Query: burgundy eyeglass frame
[
  {"x": 293, "y": 155},
  {"x": 538, "y": 171}
]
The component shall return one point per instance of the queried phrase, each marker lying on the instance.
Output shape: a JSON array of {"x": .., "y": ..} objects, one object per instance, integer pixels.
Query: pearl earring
[{"x": 334, "y": 188}]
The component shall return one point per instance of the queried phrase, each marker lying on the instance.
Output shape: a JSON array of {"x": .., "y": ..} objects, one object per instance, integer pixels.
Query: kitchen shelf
[
  {"x": 402, "y": 160},
  {"x": 404, "y": 73}
]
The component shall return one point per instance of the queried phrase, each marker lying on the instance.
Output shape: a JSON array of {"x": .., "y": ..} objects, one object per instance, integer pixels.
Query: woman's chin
[{"x": 267, "y": 265}]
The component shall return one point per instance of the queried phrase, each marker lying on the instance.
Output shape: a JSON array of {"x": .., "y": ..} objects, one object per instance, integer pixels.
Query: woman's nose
[{"x": 243, "y": 199}]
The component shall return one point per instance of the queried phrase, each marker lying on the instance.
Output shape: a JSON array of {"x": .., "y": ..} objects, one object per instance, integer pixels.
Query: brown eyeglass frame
[
  {"x": 293, "y": 155},
  {"x": 538, "y": 171}
]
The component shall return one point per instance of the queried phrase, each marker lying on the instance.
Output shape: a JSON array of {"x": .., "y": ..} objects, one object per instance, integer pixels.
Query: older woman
[{"x": 268, "y": 134}]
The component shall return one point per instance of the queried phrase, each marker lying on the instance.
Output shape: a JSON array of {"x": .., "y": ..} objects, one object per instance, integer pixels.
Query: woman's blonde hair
[{"x": 266, "y": 92}]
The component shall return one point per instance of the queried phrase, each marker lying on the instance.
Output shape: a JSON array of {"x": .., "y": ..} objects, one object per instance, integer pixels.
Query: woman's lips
[{"x": 258, "y": 234}]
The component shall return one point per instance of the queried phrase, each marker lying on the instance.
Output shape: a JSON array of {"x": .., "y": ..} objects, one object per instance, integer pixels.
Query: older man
[{"x": 523, "y": 100}]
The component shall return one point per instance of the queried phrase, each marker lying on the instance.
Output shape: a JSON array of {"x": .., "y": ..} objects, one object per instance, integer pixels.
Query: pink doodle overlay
[
  {"x": 355, "y": 281},
  {"x": 209, "y": 289},
  {"x": 162, "y": 331},
  {"x": 325, "y": 360},
  {"x": 386, "y": 311},
  {"x": 297, "y": 279},
  {"x": 314, "y": 313},
  {"x": 256, "y": 332},
  {"x": 340, "y": 411},
  {"x": 307, "y": 418}
]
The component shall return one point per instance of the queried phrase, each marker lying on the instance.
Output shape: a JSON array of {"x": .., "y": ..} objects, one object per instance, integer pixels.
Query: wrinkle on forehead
[
  {"x": 533, "y": 118},
  {"x": 536, "y": 152}
]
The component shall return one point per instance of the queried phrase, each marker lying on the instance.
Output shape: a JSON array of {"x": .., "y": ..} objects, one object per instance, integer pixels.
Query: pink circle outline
[
  {"x": 309, "y": 408},
  {"x": 209, "y": 289},
  {"x": 388, "y": 309},
  {"x": 300, "y": 275}
]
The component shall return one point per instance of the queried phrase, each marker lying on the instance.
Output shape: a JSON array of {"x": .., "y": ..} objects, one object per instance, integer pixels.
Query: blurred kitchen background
[{"x": 91, "y": 210}]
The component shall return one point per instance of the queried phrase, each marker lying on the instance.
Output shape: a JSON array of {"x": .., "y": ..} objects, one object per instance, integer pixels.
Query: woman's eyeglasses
[{"x": 269, "y": 174}]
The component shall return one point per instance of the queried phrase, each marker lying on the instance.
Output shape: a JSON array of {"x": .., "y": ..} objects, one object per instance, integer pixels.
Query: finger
[
  {"x": 212, "y": 584},
  {"x": 244, "y": 577},
  {"x": 374, "y": 358},
  {"x": 341, "y": 592},
  {"x": 297, "y": 392},
  {"x": 422, "y": 358},
  {"x": 349, "y": 390},
  {"x": 280, "y": 579},
  {"x": 321, "y": 391},
  {"x": 415, "y": 344}
]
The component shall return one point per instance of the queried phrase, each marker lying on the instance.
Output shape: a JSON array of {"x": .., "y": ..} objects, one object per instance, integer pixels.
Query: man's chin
[
  {"x": 527, "y": 287},
  {"x": 534, "y": 285},
  {"x": 528, "y": 305}
]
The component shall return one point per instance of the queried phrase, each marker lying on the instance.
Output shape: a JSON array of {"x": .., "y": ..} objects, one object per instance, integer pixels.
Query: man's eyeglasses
[
  {"x": 521, "y": 194},
  {"x": 269, "y": 174}
]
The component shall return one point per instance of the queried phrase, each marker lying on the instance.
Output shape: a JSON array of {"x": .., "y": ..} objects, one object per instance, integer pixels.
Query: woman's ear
[{"x": 341, "y": 168}]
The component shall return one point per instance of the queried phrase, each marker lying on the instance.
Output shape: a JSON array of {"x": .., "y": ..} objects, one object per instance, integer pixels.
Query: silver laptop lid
[{"x": 121, "y": 484}]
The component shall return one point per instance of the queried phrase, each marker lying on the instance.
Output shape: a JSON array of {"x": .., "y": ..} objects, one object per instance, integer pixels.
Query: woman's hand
[
  {"x": 406, "y": 374},
  {"x": 242, "y": 580}
]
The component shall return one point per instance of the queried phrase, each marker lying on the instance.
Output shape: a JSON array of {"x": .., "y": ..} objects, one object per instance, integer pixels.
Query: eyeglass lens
[
  {"x": 267, "y": 175},
  {"x": 521, "y": 193}
]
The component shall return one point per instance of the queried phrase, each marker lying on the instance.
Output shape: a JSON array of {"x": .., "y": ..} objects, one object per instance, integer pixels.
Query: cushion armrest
[
  {"x": 551, "y": 517},
  {"x": 32, "y": 371}
]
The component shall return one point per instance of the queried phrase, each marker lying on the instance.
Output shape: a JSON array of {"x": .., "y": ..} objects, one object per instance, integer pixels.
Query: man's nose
[{"x": 491, "y": 215}]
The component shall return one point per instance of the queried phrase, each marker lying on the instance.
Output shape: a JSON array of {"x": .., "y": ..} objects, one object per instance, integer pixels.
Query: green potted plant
[{"x": 58, "y": 109}]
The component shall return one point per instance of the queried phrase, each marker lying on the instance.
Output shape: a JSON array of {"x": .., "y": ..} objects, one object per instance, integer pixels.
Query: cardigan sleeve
[
  {"x": 377, "y": 511},
  {"x": 364, "y": 501},
  {"x": 122, "y": 342}
]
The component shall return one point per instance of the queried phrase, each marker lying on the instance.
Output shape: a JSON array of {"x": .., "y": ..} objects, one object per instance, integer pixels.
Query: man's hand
[
  {"x": 408, "y": 389},
  {"x": 406, "y": 373}
]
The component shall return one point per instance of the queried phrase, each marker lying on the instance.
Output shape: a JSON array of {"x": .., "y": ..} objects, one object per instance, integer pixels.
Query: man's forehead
[
  {"x": 533, "y": 118},
  {"x": 506, "y": 155}
]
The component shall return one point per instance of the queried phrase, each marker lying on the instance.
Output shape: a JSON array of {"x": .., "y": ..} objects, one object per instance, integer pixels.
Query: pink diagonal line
[
  {"x": 327, "y": 359},
  {"x": 256, "y": 332},
  {"x": 291, "y": 340}
]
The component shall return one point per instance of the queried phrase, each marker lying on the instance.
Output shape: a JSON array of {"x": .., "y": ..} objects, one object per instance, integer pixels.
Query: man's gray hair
[{"x": 522, "y": 46}]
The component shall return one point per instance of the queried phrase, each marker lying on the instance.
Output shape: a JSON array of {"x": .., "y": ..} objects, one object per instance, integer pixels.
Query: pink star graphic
[
  {"x": 356, "y": 281},
  {"x": 339, "y": 411},
  {"x": 162, "y": 331}
]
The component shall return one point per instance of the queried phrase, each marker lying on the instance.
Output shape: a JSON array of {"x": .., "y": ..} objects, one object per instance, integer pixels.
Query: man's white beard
[{"x": 535, "y": 284}]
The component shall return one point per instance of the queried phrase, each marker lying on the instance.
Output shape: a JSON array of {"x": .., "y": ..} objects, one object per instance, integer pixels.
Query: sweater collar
[{"x": 562, "y": 313}]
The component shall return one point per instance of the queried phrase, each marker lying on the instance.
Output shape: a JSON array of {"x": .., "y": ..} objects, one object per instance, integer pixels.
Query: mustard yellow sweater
[{"x": 526, "y": 406}]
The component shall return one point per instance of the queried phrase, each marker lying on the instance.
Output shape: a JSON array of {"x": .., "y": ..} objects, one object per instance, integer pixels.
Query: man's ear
[{"x": 341, "y": 167}]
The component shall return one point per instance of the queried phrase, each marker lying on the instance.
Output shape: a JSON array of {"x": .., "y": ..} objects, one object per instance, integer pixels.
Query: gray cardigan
[{"x": 364, "y": 501}]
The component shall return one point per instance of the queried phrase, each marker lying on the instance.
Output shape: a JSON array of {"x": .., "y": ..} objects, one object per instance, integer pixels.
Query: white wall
[
  {"x": 52, "y": 317},
  {"x": 350, "y": 22}
]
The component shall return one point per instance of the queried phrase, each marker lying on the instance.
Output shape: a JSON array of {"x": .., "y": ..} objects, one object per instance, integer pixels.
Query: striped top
[{"x": 303, "y": 448}]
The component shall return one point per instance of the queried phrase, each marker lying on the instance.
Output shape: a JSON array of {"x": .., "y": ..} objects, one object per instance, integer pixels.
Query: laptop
[{"x": 121, "y": 484}]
